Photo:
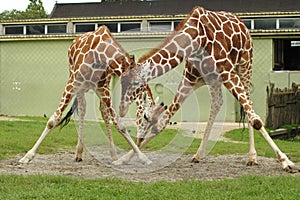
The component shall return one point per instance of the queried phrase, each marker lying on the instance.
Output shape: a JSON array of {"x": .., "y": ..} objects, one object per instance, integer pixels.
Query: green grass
[
  {"x": 17, "y": 137},
  {"x": 58, "y": 187}
]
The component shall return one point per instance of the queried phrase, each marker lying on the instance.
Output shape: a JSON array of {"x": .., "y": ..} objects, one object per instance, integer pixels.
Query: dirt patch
[{"x": 213, "y": 167}]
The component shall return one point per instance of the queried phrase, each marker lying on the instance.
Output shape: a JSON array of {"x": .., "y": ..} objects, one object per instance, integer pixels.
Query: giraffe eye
[{"x": 136, "y": 83}]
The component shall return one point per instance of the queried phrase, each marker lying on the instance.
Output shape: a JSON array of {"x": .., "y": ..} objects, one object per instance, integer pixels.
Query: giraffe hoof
[
  {"x": 291, "y": 169},
  {"x": 78, "y": 159},
  {"x": 27, "y": 158},
  {"x": 252, "y": 163},
  {"x": 118, "y": 162},
  {"x": 114, "y": 158},
  {"x": 195, "y": 159}
]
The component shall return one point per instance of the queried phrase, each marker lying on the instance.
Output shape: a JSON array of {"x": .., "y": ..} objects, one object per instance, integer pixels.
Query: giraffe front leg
[
  {"x": 216, "y": 99},
  {"x": 122, "y": 129},
  {"x": 144, "y": 159}
]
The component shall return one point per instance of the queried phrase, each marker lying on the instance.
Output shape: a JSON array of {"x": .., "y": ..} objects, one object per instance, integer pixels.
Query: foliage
[
  {"x": 34, "y": 10},
  {"x": 58, "y": 187}
]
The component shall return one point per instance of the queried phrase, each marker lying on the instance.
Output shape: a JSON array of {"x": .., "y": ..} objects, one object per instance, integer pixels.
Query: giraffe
[
  {"x": 217, "y": 47},
  {"x": 93, "y": 58}
]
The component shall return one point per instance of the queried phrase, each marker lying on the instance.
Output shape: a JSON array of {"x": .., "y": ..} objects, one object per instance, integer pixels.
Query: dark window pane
[
  {"x": 57, "y": 28},
  {"x": 113, "y": 27},
  {"x": 134, "y": 27},
  {"x": 14, "y": 30},
  {"x": 289, "y": 23},
  {"x": 265, "y": 24},
  {"x": 35, "y": 29},
  {"x": 247, "y": 23},
  {"x": 82, "y": 28},
  {"x": 176, "y": 23}
]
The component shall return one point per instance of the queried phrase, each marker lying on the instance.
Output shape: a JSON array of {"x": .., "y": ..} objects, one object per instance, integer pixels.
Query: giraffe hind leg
[
  {"x": 81, "y": 113},
  {"x": 235, "y": 86},
  {"x": 244, "y": 71}
]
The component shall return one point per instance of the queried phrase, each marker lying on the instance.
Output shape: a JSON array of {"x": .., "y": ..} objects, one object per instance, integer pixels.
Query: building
[{"x": 33, "y": 53}]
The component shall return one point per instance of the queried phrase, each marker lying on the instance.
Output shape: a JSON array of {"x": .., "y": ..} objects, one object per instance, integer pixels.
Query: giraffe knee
[
  {"x": 257, "y": 124},
  {"x": 52, "y": 122}
]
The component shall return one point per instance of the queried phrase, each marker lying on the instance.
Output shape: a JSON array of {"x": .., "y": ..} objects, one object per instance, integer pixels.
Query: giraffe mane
[
  {"x": 125, "y": 66},
  {"x": 177, "y": 28},
  {"x": 116, "y": 42}
]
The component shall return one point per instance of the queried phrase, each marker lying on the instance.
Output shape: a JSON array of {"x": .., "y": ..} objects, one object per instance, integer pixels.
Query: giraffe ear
[{"x": 124, "y": 64}]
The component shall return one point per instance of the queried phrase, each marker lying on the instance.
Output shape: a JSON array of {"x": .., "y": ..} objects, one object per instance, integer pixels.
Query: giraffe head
[
  {"x": 151, "y": 111},
  {"x": 133, "y": 83}
]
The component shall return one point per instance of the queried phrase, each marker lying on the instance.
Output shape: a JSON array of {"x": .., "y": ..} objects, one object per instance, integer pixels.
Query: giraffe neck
[
  {"x": 174, "y": 49},
  {"x": 98, "y": 50},
  {"x": 203, "y": 34}
]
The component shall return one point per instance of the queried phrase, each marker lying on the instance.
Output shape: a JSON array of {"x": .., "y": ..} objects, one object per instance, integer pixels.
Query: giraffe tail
[
  {"x": 65, "y": 121},
  {"x": 242, "y": 117}
]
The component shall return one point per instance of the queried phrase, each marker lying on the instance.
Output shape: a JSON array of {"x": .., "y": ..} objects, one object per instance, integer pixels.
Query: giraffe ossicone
[
  {"x": 93, "y": 58},
  {"x": 218, "y": 50}
]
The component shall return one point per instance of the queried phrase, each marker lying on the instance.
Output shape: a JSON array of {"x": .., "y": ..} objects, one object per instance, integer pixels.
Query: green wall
[
  {"x": 262, "y": 67},
  {"x": 33, "y": 75},
  {"x": 34, "y": 72}
]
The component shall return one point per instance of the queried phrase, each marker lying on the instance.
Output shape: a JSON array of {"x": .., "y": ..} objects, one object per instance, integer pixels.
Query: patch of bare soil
[{"x": 213, "y": 167}]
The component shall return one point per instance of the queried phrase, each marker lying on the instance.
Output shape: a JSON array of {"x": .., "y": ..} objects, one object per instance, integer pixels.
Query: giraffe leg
[
  {"x": 215, "y": 91},
  {"x": 245, "y": 72},
  {"x": 164, "y": 120},
  {"x": 140, "y": 122},
  {"x": 105, "y": 116},
  {"x": 234, "y": 85},
  {"x": 252, "y": 160},
  {"x": 81, "y": 113},
  {"x": 157, "y": 110},
  {"x": 120, "y": 127},
  {"x": 53, "y": 122}
]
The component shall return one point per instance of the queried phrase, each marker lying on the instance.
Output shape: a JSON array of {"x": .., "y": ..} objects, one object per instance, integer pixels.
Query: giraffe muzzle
[{"x": 123, "y": 108}]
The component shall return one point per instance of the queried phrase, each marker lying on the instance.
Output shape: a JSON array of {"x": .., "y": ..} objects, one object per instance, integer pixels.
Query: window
[
  {"x": 130, "y": 27},
  {"x": 35, "y": 29},
  {"x": 286, "y": 53},
  {"x": 113, "y": 27},
  {"x": 82, "y": 28},
  {"x": 13, "y": 30},
  {"x": 289, "y": 23},
  {"x": 247, "y": 22},
  {"x": 265, "y": 24},
  {"x": 57, "y": 28},
  {"x": 176, "y": 23},
  {"x": 160, "y": 26}
]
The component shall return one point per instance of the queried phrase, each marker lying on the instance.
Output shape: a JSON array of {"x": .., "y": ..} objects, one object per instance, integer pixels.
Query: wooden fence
[{"x": 283, "y": 106}]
